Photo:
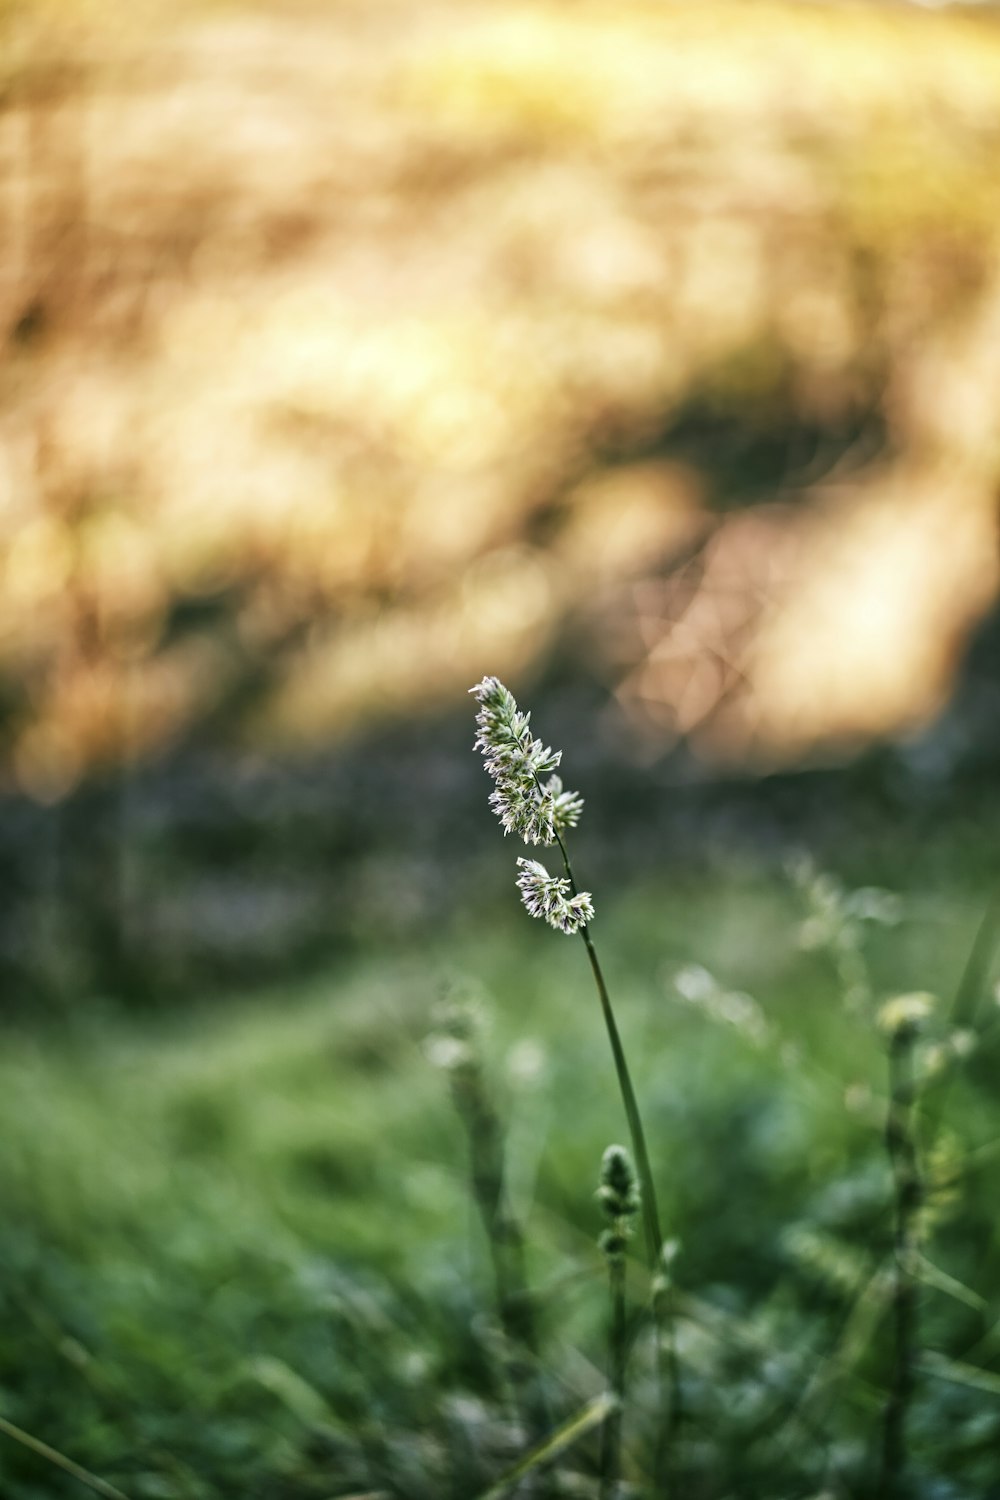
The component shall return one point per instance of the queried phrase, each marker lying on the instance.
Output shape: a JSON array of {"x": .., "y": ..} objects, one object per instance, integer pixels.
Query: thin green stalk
[
  {"x": 901, "y": 1145},
  {"x": 618, "y": 1195},
  {"x": 589, "y": 1417},
  {"x": 650, "y": 1212},
  {"x": 60, "y": 1461},
  {"x": 516, "y": 761},
  {"x": 977, "y": 966},
  {"x": 503, "y": 1232},
  {"x": 964, "y": 1011},
  {"x": 611, "y": 1448},
  {"x": 668, "y": 1372},
  {"x": 504, "y": 1236},
  {"x": 668, "y": 1364}
]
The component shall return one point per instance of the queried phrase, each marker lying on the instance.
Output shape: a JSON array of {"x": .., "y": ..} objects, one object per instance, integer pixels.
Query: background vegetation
[{"x": 645, "y": 355}]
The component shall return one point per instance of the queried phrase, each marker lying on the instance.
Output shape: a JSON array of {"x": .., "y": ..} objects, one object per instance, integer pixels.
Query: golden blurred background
[{"x": 355, "y": 349}]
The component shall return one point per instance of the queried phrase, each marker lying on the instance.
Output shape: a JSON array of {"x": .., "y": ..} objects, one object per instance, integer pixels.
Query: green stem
[
  {"x": 650, "y": 1212},
  {"x": 515, "y": 1306},
  {"x": 663, "y": 1310},
  {"x": 668, "y": 1372},
  {"x": 611, "y": 1449},
  {"x": 901, "y": 1146},
  {"x": 592, "y": 1415},
  {"x": 93, "y": 1481},
  {"x": 964, "y": 1010}
]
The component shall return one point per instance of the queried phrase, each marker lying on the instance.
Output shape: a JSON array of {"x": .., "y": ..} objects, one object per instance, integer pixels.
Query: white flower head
[
  {"x": 551, "y": 897},
  {"x": 905, "y": 1013},
  {"x": 528, "y": 797}
]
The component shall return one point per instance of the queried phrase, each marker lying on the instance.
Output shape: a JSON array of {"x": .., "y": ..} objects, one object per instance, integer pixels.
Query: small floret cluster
[
  {"x": 551, "y": 897},
  {"x": 530, "y": 800}
]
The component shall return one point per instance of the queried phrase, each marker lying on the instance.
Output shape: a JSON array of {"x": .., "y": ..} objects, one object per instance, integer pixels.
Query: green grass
[{"x": 237, "y": 1252}]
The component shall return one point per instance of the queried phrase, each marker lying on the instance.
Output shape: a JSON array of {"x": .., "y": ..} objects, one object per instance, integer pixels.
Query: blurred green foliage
[{"x": 238, "y": 1251}]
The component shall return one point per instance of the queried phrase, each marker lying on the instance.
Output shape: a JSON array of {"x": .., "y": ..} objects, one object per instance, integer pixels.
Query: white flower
[
  {"x": 525, "y": 804},
  {"x": 905, "y": 1013},
  {"x": 551, "y": 898}
]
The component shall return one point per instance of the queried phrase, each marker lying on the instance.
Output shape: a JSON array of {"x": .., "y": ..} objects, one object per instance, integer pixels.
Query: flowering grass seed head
[
  {"x": 530, "y": 800},
  {"x": 551, "y": 898},
  {"x": 527, "y": 798}
]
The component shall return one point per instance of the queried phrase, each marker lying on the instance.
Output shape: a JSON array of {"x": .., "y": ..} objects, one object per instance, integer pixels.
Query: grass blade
[
  {"x": 591, "y": 1416},
  {"x": 93, "y": 1481}
]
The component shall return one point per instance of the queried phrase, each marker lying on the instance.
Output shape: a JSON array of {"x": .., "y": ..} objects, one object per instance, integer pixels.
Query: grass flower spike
[
  {"x": 618, "y": 1195},
  {"x": 539, "y": 810},
  {"x": 619, "y": 1198},
  {"x": 542, "y": 812},
  {"x": 551, "y": 898}
]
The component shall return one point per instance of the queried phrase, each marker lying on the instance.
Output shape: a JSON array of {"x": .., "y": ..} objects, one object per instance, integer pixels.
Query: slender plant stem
[
  {"x": 901, "y": 1145},
  {"x": 668, "y": 1365},
  {"x": 668, "y": 1371},
  {"x": 974, "y": 975},
  {"x": 515, "y": 1306},
  {"x": 503, "y": 1232},
  {"x": 44, "y": 1450},
  {"x": 611, "y": 1448},
  {"x": 650, "y": 1212},
  {"x": 964, "y": 1010},
  {"x": 592, "y": 1415}
]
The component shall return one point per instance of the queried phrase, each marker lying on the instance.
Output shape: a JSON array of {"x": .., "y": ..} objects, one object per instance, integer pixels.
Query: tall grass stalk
[
  {"x": 662, "y": 1295},
  {"x": 668, "y": 1370},
  {"x": 503, "y": 1231},
  {"x": 611, "y": 1452},
  {"x": 964, "y": 1013},
  {"x": 540, "y": 811},
  {"x": 584, "y": 1421},
  {"x": 619, "y": 1197},
  {"x": 455, "y": 1046},
  {"x": 60, "y": 1461},
  {"x": 530, "y": 800},
  {"x": 901, "y": 1019},
  {"x": 650, "y": 1209}
]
